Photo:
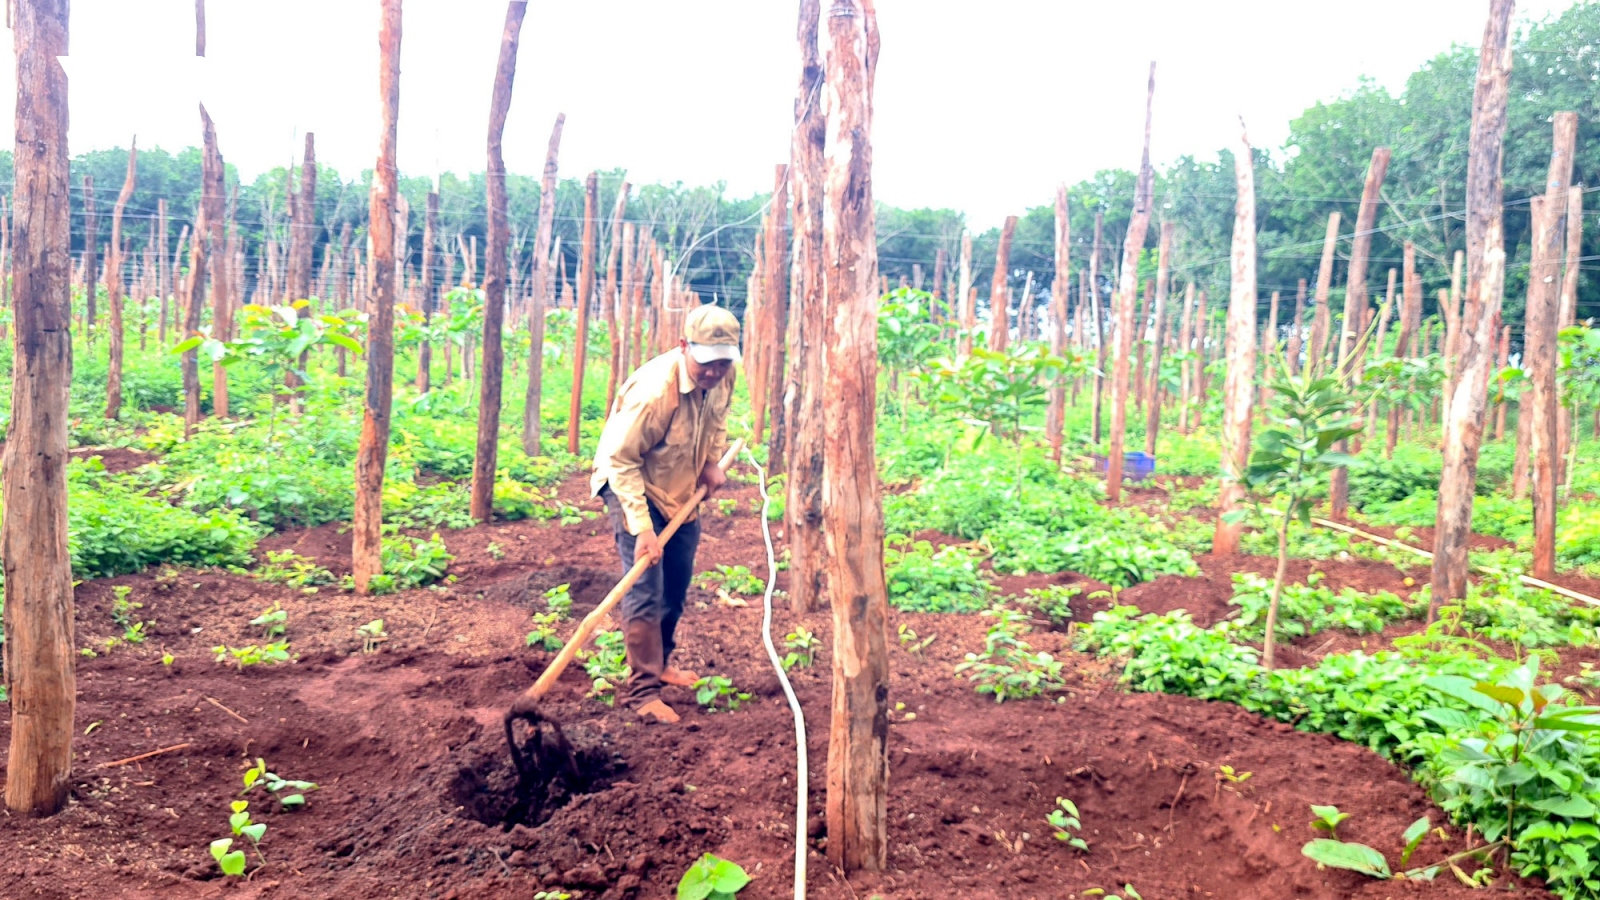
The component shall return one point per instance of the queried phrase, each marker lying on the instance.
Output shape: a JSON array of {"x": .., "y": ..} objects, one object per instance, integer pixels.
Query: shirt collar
[{"x": 685, "y": 383}]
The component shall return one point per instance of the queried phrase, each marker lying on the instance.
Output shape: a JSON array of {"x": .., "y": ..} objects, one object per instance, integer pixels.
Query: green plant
[
  {"x": 372, "y": 634},
  {"x": 258, "y": 776},
  {"x": 922, "y": 579},
  {"x": 1305, "y": 609},
  {"x": 727, "y": 505},
  {"x": 558, "y": 600},
  {"x": 802, "y": 646},
  {"x": 1328, "y": 818},
  {"x": 1054, "y": 601},
  {"x": 122, "y": 614},
  {"x": 712, "y": 878},
  {"x": 607, "y": 665},
  {"x": 544, "y": 633},
  {"x": 407, "y": 564},
  {"x": 731, "y": 580},
  {"x": 1064, "y": 819},
  {"x": 1101, "y": 893},
  {"x": 230, "y": 861},
  {"x": 911, "y": 643},
  {"x": 714, "y": 689},
  {"x": 552, "y": 895},
  {"x": 1007, "y": 668},
  {"x": 289, "y": 568},
  {"x": 1364, "y": 859},
  {"x": 495, "y": 551},
  {"x": 255, "y": 654},
  {"x": 273, "y": 622}
]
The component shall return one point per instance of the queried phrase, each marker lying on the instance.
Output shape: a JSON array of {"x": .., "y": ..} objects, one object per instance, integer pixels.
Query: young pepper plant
[
  {"x": 1294, "y": 458},
  {"x": 998, "y": 388}
]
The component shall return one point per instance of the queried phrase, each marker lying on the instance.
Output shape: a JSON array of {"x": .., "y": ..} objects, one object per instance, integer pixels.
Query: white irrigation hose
[{"x": 802, "y": 772}]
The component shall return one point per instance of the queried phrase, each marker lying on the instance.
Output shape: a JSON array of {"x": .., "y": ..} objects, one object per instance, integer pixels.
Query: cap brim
[{"x": 710, "y": 353}]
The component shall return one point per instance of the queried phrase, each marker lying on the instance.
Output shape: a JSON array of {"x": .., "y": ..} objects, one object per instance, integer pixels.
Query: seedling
[
  {"x": 714, "y": 689},
  {"x": 544, "y": 634},
  {"x": 1008, "y": 668},
  {"x": 167, "y": 658},
  {"x": 258, "y": 776},
  {"x": 1328, "y": 818},
  {"x": 372, "y": 634},
  {"x": 1361, "y": 858},
  {"x": 495, "y": 551},
  {"x": 254, "y": 654},
  {"x": 727, "y": 506},
  {"x": 1127, "y": 889},
  {"x": 607, "y": 665},
  {"x": 802, "y": 646},
  {"x": 911, "y": 643},
  {"x": 1064, "y": 819},
  {"x": 712, "y": 878},
  {"x": 122, "y": 614},
  {"x": 732, "y": 579},
  {"x": 551, "y": 895},
  {"x": 558, "y": 600},
  {"x": 229, "y": 860},
  {"x": 1055, "y": 601},
  {"x": 273, "y": 622},
  {"x": 289, "y": 568}
]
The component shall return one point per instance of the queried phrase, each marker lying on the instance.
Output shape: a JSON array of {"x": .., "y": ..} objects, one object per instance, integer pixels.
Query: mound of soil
[{"x": 408, "y": 748}]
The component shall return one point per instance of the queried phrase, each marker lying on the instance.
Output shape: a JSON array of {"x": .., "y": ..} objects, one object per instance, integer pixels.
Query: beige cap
[{"x": 712, "y": 333}]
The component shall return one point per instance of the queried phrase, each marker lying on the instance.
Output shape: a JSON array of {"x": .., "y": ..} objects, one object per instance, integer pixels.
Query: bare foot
[
  {"x": 679, "y": 677},
  {"x": 658, "y": 711}
]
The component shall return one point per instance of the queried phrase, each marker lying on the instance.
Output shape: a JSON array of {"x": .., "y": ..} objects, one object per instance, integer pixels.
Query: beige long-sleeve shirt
[{"x": 661, "y": 433}]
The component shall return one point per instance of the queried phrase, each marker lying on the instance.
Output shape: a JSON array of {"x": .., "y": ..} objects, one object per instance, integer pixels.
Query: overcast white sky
[{"x": 980, "y": 107}]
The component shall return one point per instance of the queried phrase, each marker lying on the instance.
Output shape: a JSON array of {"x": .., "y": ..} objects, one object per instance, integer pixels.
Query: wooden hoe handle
[{"x": 547, "y": 679}]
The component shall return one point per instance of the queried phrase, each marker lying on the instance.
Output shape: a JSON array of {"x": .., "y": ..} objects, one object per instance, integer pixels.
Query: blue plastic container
[{"x": 1136, "y": 465}]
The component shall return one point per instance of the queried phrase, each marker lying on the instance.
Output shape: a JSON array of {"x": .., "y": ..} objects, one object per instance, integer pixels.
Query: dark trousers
[{"x": 652, "y": 607}]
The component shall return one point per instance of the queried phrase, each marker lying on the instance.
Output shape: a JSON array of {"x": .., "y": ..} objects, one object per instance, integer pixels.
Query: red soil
[{"x": 408, "y": 748}]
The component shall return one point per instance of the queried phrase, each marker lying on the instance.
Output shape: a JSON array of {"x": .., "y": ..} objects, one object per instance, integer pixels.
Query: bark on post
[
  {"x": 858, "y": 758},
  {"x": 1186, "y": 333},
  {"x": 221, "y": 303},
  {"x": 580, "y": 350},
  {"x": 1355, "y": 305},
  {"x": 1141, "y": 325},
  {"x": 999, "y": 297},
  {"x": 1321, "y": 318},
  {"x": 1269, "y": 347},
  {"x": 297, "y": 268},
  {"x": 91, "y": 260},
  {"x": 1239, "y": 383},
  {"x": 807, "y": 324},
  {"x": 1464, "y": 417},
  {"x": 608, "y": 298},
  {"x": 1128, "y": 289},
  {"x": 1055, "y": 418},
  {"x": 373, "y": 451},
  {"x": 194, "y": 299},
  {"x": 967, "y": 317},
  {"x": 775, "y": 304},
  {"x": 543, "y": 288},
  {"x": 1152, "y": 428},
  {"x": 430, "y": 299},
  {"x": 1568, "y": 314},
  {"x": 487, "y": 456},
  {"x": 1099, "y": 326},
  {"x": 33, "y": 533},
  {"x": 114, "y": 286},
  {"x": 1543, "y": 320}
]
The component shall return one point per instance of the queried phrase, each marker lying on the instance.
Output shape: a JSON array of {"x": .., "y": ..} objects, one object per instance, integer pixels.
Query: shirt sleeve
[
  {"x": 635, "y": 426},
  {"x": 719, "y": 427}
]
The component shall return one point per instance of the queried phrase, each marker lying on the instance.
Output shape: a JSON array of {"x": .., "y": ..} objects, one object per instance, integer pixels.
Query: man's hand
[
  {"x": 713, "y": 478},
  {"x": 647, "y": 546}
]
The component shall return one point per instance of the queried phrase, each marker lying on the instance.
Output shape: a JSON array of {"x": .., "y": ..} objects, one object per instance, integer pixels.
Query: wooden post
[
  {"x": 1410, "y": 317},
  {"x": 1543, "y": 320},
  {"x": 33, "y": 534},
  {"x": 91, "y": 260},
  {"x": 1355, "y": 306},
  {"x": 164, "y": 275},
  {"x": 1269, "y": 346},
  {"x": 1239, "y": 382},
  {"x": 807, "y": 324},
  {"x": 775, "y": 305},
  {"x": 1568, "y": 316},
  {"x": 1099, "y": 327},
  {"x": 1141, "y": 327},
  {"x": 1501, "y": 358},
  {"x": 1186, "y": 345},
  {"x": 968, "y": 316},
  {"x": 1321, "y": 318},
  {"x": 373, "y": 451},
  {"x": 199, "y": 27},
  {"x": 430, "y": 299},
  {"x": 199, "y": 255},
  {"x": 999, "y": 297},
  {"x": 580, "y": 350},
  {"x": 114, "y": 286},
  {"x": 1127, "y": 291},
  {"x": 221, "y": 302},
  {"x": 938, "y": 280},
  {"x": 486, "y": 457},
  {"x": 1055, "y": 417},
  {"x": 1292, "y": 352},
  {"x": 608, "y": 297},
  {"x": 858, "y": 756},
  {"x": 1464, "y": 416},
  {"x": 1152, "y": 427},
  {"x": 543, "y": 288}
]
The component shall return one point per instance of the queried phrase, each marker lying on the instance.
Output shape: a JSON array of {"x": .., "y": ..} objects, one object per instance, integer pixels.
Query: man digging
[{"x": 667, "y": 429}]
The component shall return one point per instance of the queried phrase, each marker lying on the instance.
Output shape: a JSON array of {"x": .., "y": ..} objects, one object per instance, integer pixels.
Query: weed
[
  {"x": 712, "y": 878},
  {"x": 406, "y": 564},
  {"x": 1227, "y": 776},
  {"x": 922, "y": 579},
  {"x": 122, "y": 614},
  {"x": 273, "y": 622},
  {"x": 1364, "y": 859},
  {"x": 1064, "y": 819},
  {"x": 559, "y": 601},
  {"x": 232, "y": 862},
  {"x": 802, "y": 646},
  {"x": 727, "y": 505},
  {"x": 714, "y": 689}
]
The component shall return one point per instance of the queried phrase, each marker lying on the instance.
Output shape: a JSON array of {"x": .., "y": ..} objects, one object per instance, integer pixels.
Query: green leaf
[
  {"x": 1573, "y": 806},
  {"x": 1463, "y": 689},
  {"x": 220, "y": 847},
  {"x": 1505, "y": 693},
  {"x": 1347, "y": 855},
  {"x": 728, "y": 877},
  {"x": 190, "y": 344},
  {"x": 254, "y": 832},
  {"x": 1413, "y": 836},
  {"x": 293, "y": 800},
  {"x": 232, "y": 863},
  {"x": 1451, "y": 719}
]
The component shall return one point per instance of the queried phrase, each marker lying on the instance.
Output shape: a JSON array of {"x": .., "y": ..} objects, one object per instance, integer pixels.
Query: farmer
[{"x": 667, "y": 430}]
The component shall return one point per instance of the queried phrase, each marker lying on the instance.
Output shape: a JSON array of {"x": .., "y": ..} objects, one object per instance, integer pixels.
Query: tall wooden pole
[
  {"x": 967, "y": 318},
  {"x": 1467, "y": 402},
  {"x": 608, "y": 297},
  {"x": 373, "y": 451},
  {"x": 1410, "y": 318},
  {"x": 543, "y": 288},
  {"x": 775, "y": 305},
  {"x": 1098, "y": 325},
  {"x": 1186, "y": 332},
  {"x": 114, "y": 286},
  {"x": 1321, "y": 318},
  {"x": 1543, "y": 320},
  {"x": 858, "y": 753},
  {"x": 91, "y": 259},
  {"x": 807, "y": 324},
  {"x": 194, "y": 299},
  {"x": 1296, "y": 325},
  {"x": 1355, "y": 305},
  {"x": 1056, "y": 416},
  {"x": 33, "y": 533},
  {"x": 1568, "y": 314},
  {"x": 430, "y": 297},
  {"x": 1239, "y": 383},
  {"x": 222, "y": 302},
  {"x": 494, "y": 282},
  {"x": 1152, "y": 427},
  {"x": 1127, "y": 296},
  {"x": 999, "y": 298},
  {"x": 580, "y": 350}
]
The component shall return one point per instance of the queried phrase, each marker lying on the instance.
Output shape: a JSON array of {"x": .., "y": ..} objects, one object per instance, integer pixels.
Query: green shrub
[
  {"x": 1309, "y": 608},
  {"x": 113, "y": 527},
  {"x": 922, "y": 579}
]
